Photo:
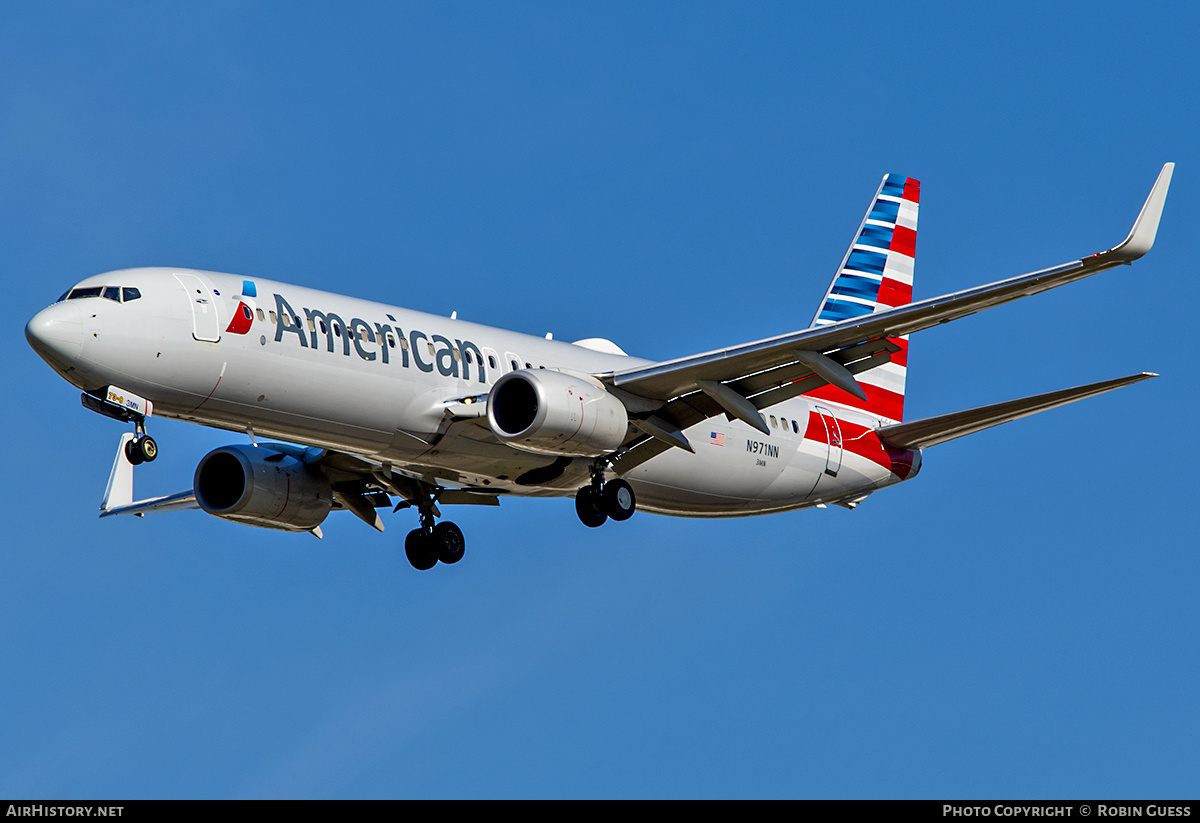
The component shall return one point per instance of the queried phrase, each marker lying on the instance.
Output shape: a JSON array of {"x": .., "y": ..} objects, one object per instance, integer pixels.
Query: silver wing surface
[{"x": 739, "y": 380}]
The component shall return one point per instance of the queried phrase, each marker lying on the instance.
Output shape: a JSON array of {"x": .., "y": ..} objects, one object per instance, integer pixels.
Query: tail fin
[{"x": 877, "y": 274}]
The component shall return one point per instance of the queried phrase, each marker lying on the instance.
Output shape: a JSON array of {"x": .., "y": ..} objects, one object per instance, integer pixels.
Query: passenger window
[
  {"x": 467, "y": 355},
  {"x": 404, "y": 343},
  {"x": 260, "y": 316},
  {"x": 246, "y": 311},
  {"x": 271, "y": 314},
  {"x": 491, "y": 362},
  {"x": 795, "y": 427},
  {"x": 774, "y": 425}
]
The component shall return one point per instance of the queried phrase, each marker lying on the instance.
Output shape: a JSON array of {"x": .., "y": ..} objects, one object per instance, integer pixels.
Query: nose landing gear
[
  {"x": 128, "y": 408},
  {"x": 141, "y": 449}
]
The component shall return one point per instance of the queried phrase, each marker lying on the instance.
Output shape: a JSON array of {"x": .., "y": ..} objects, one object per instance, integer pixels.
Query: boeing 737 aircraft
[{"x": 379, "y": 403}]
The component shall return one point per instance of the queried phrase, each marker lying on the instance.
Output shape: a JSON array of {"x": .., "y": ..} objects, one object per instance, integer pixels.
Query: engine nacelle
[
  {"x": 549, "y": 412},
  {"x": 261, "y": 487}
]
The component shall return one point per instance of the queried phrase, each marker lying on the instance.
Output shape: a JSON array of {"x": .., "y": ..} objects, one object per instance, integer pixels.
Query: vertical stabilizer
[{"x": 877, "y": 274}]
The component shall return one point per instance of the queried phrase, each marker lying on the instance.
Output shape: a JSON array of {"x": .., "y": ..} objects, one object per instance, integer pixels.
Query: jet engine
[
  {"x": 262, "y": 487},
  {"x": 550, "y": 412}
]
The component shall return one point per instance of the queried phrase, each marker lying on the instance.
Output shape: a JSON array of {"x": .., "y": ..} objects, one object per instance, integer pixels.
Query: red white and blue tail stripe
[{"x": 877, "y": 274}]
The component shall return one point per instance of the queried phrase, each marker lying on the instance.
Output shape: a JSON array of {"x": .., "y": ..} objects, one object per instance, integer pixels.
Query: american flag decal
[{"x": 716, "y": 438}]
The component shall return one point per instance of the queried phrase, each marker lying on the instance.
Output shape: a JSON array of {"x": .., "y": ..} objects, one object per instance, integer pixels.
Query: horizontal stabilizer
[{"x": 931, "y": 431}]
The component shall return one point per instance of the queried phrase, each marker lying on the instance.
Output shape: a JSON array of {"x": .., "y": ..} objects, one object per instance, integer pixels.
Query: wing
[
  {"x": 118, "y": 495},
  {"x": 740, "y": 380},
  {"x": 359, "y": 486}
]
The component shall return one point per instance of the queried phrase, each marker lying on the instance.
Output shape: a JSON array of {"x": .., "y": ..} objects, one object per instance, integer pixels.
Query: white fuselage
[{"x": 373, "y": 380}]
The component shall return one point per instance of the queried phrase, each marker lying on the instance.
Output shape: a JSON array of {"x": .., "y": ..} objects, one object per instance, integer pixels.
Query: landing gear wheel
[
  {"x": 448, "y": 542},
  {"x": 147, "y": 448},
  {"x": 141, "y": 450},
  {"x": 133, "y": 454},
  {"x": 589, "y": 507},
  {"x": 419, "y": 549},
  {"x": 618, "y": 500}
]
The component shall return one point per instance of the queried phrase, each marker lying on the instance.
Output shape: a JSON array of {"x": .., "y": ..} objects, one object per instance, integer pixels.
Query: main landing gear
[
  {"x": 596, "y": 503},
  {"x": 424, "y": 547},
  {"x": 430, "y": 543}
]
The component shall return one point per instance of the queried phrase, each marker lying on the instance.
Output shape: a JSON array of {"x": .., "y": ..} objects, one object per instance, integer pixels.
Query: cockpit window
[
  {"x": 63, "y": 297},
  {"x": 116, "y": 293}
]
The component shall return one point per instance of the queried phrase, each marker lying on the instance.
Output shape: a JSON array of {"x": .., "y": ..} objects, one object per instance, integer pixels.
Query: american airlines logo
[{"x": 378, "y": 341}]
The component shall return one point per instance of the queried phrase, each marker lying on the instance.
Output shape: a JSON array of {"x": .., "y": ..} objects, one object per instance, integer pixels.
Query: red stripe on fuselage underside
[
  {"x": 894, "y": 293},
  {"x": 879, "y": 401},
  {"x": 904, "y": 240},
  {"x": 863, "y": 442}
]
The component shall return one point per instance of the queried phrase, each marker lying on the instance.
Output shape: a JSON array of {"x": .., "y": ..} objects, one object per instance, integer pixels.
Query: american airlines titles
[{"x": 447, "y": 356}]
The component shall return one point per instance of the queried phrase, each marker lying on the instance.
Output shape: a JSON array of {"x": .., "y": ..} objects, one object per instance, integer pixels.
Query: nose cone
[{"x": 56, "y": 334}]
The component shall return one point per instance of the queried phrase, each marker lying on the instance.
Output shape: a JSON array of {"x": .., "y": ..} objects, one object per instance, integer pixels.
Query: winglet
[
  {"x": 1145, "y": 228},
  {"x": 119, "y": 491}
]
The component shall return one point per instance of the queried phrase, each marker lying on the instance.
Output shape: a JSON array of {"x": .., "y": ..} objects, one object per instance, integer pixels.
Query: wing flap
[{"x": 921, "y": 434}]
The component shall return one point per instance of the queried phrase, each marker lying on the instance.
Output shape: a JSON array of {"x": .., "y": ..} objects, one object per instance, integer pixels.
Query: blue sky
[{"x": 1019, "y": 621}]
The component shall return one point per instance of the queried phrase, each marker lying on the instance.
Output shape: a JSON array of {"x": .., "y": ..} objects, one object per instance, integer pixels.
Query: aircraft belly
[{"x": 731, "y": 470}]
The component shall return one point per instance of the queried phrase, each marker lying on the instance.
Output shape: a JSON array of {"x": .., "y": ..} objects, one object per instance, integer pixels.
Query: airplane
[{"x": 373, "y": 403}]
